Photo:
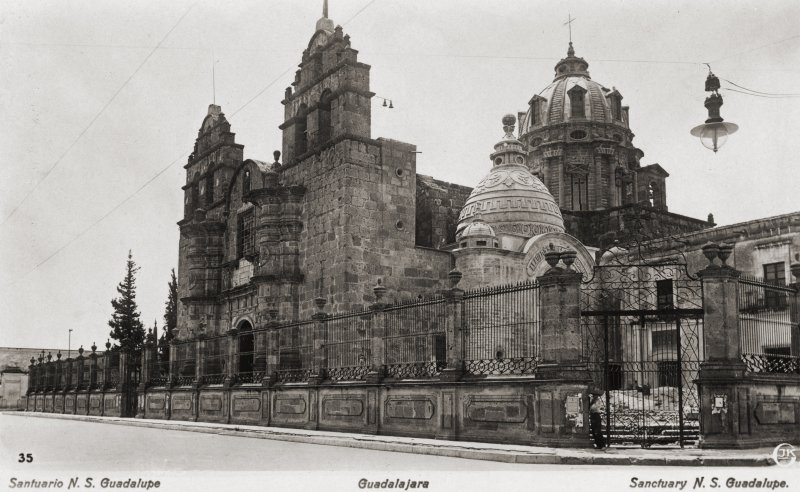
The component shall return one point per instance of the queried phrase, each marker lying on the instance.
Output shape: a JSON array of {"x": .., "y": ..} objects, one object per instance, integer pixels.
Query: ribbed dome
[
  {"x": 510, "y": 199},
  {"x": 554, "y": 104}
]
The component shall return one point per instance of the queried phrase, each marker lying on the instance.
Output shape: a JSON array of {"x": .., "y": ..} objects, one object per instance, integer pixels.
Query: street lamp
[
  {"x": 69, "y": 344},
  {"x": 714, "y": 132}
]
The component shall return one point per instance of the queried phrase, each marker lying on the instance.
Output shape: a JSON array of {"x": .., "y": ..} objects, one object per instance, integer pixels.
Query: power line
[
  {"x": 759, "y": 92},
  {"x": 163, "y": 170},
  {"x": 96, "y": 116},
  {"x": 759, "y": 95}
]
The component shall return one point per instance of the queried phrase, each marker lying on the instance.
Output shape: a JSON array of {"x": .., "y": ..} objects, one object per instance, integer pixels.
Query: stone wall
[{"x": 438, "y": 205}]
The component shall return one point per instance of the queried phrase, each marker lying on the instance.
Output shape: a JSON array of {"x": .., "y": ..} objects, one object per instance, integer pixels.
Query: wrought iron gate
[
  {"x": 642, "y": 330},
  {"x": 133, "y": 374}
]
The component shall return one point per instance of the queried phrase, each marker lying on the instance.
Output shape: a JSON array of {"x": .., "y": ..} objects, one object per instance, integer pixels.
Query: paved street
[{"x": 74, "y": 445}]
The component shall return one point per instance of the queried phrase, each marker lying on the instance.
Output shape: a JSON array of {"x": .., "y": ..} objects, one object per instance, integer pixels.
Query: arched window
[
  {"x": 618, "y": 182},
  {"x": 246, "y": 351},
  {"x": 195, "y": 203},
  {"x": 245, "y": 234},
  {"x": 651, "y": 194},
  {"x": 300, "y": 131},
  {"x": 246, "y": 182},
  {"x": 325, "y": 130}
]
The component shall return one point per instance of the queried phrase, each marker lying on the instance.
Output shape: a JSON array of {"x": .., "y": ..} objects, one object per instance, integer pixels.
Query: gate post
[
  {"x": 454, "y": 330},
  {"x": 271, "y": 370},
  {"x": 377, "y": 347},
  {"x": 721, "y": 417},
  {"x": 561, "y": 400},
  {"x": 320, "y": 335}
]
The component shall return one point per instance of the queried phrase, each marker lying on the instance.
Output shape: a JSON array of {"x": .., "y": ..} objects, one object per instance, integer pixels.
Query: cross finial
[{"x": 568, "y": 23}]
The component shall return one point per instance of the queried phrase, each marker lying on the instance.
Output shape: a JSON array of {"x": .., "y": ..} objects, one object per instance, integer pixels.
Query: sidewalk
[{"x": 507, "y": 453}]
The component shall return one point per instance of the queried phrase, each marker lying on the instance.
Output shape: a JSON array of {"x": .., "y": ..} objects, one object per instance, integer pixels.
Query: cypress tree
[
  {"x": 126, "y": 327},
  {"x": 170, "y": 317}
]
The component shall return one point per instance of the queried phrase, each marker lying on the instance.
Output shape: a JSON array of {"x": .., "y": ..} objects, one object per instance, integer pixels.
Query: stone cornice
[{"x": 208, "y": 151}]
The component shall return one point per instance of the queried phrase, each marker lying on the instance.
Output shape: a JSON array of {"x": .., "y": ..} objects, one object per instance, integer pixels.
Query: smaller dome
[{"x": 478, "y": 228}]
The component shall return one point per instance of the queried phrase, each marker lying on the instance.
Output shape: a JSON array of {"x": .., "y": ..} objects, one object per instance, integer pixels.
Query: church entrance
[{"x": 642, "y": 337}]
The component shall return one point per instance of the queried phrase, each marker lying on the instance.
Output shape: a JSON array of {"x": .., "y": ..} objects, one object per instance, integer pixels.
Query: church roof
[{"x": 555, "y": 105}]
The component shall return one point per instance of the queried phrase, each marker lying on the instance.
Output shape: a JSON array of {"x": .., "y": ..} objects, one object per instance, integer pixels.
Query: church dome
[
  {"x": 514, "y": 203},
  {"x": 477, "y": 228},
  {"x": 573, "y": 97}
]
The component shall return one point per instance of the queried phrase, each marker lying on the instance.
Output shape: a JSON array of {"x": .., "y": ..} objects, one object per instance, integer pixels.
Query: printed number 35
[{"x": 25, "y": 458}]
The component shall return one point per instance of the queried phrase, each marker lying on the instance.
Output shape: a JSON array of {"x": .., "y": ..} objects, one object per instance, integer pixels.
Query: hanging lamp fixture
[{"x": 714, "y": 132}]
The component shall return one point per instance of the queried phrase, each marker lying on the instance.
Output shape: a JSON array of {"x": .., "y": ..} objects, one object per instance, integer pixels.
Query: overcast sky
[{"x": 83, "y": 92}]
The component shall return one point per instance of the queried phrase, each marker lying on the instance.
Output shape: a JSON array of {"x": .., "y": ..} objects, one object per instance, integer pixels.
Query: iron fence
[
  {"x": 184, "y": 364},
  {"x": 295, "y": 352},
  {"x": 415, "y": 344},
  {"x": 158, "y": 372},
  {"x": 768, "y": 326},
  {"x": 215, "y": 360},
  {"x": 349, "y": 345},
  {"x": 501, "y": 329},
  {"x": 251, "y": 360}
]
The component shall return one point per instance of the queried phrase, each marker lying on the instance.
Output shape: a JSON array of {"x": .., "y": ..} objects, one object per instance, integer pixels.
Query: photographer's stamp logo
[{"x": 784, "y": 454}]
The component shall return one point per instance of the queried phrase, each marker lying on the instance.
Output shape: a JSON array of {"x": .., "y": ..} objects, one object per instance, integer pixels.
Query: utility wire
[
  {"x": 163, "y": 170},
  {"x": 759, "y": 95},
  {"x": 96, "y": 116},
  {"x": 759, "y": 92}
]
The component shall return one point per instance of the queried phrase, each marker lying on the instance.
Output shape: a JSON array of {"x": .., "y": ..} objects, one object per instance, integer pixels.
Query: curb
[{"x": 452, "y": 449}]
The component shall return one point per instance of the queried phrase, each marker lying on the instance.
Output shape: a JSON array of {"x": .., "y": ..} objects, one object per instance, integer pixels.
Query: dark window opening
[
  {"x": 480, "y": 243},
  {"x": 774, "y": 274},
  {"x": 440, "y": 351},
  {"x": 246, "y": 182},
  {"x": 245, "y": 235},
  {"x": 664, "y": 294},
  {"x": 665, "y": 341},
  {"x": 615, "y": 378},
  {"x": 669, "y": 373},
  {"x": 535, "y": 113},
  {"x": 246, "y": 350}
]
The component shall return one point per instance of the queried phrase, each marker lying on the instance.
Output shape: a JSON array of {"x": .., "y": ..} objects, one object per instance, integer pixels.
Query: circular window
[
  {"x": 399, "y": 225},
  {"x": 519, "y": 159},
  {"x": 577, "y": 135},
  {"x": 498, "y": 161},
  {"x": 399, "y": 172}
]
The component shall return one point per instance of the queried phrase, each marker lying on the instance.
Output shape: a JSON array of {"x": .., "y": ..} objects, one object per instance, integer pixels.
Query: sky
[{"x": 102, "y": 100}]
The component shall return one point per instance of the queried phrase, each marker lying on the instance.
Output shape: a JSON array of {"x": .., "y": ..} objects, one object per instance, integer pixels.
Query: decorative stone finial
[
  {"x": 552, "y": 256},
  {"x": 277, "y": 155},
  {"x": 508, "y": 125},
  {"x": 33, "y": 361},
  {"x": 58, "y": 355},
  {"x": 710, "y": 218},
  {"x": 80, "y": 350},
  {"x": 568, "y": 257},
  {"x": 94, "y": 347},
  {"x": 725, "y": 250},
  {"x": 570, "y": 50},
  {"x": 108, "y": 344},
  {"x": 49, "y": 356},
  {"x": 711, "y": 252},
  {"x": 455, "y": 277},
  {"x": 379, "y": 290}
]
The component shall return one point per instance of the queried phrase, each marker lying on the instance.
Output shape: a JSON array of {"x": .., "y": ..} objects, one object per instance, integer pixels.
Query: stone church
[{"x": 337, "y": 211}]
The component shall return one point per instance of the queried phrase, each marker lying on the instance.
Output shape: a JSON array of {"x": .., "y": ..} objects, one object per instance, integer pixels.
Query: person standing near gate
[{"x": 596, "y": 420}]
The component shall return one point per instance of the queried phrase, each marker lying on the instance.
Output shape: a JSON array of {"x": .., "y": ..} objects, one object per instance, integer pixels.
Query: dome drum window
[
  {"x": 577, "y": 135},
  {"x": 577, "y": 102}
]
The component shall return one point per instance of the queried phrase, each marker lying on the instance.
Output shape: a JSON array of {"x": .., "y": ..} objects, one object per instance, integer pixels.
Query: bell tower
[{"x": 330, "y": 98}]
